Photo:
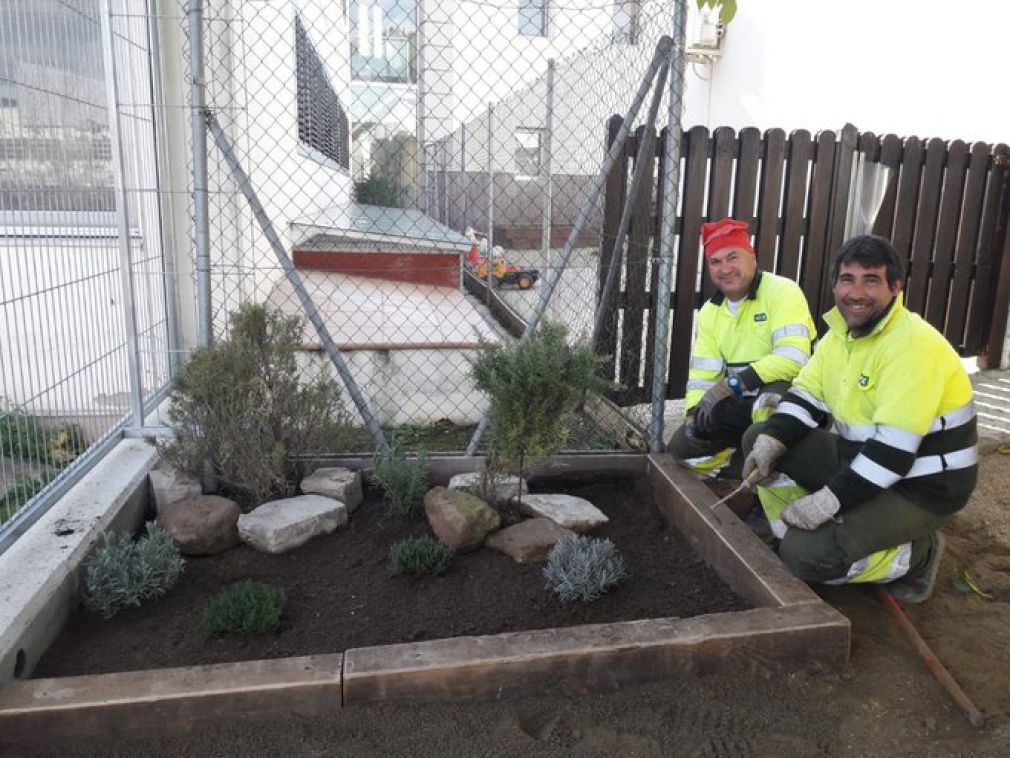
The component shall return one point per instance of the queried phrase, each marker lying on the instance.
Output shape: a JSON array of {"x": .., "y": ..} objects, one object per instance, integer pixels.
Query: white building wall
[
  {"x": 291, "y": 181},
  {"x": 593, "y": 79},
  {"x": 901, "y": 66}
]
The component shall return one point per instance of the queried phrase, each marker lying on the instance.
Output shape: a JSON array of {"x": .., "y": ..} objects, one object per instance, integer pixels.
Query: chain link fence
[
  {"x": 426, "y": 167},
  {"x": 84, "y": 316},
  {"x": 408, "y": 153}
]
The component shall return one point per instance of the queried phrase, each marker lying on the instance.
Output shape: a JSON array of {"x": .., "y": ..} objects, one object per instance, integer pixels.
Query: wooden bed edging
[
  {"x": 789, "y": 629},
  {"x": 166, "y": 701},
  {"x": 597, "y": 657}
]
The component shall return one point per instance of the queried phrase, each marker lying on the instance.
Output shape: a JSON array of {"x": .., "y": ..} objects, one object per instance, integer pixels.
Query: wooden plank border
[{"x": 789, "y": 629}]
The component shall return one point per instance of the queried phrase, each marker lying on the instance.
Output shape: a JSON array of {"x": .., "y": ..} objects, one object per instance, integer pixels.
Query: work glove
[
  {"x": 761, "y": 459},
  {"x": 704, "y": 419},
  {"x": 811, "y": 511}
]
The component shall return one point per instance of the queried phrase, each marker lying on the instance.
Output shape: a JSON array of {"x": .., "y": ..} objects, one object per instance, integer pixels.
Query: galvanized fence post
[
  {"x": 122, "y": 218},
  {"x": 201, "y": 209},
  {"x": 545, "y": 237},
  {"x": 671, "y": 193}
]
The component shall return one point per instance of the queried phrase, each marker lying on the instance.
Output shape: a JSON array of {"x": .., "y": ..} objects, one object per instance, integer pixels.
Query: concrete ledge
[
  {"x": 599, "y": 657},
  {"x": 167, "y": 700},
  {"x": 38, "y": 573}
]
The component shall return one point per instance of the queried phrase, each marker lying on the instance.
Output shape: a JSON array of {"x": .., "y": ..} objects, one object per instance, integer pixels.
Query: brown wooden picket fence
[{"x": 946, "y": 211}]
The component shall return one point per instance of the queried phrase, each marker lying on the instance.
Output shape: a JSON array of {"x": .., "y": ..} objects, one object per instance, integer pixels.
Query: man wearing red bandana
[{"x": 753, "y": 337}]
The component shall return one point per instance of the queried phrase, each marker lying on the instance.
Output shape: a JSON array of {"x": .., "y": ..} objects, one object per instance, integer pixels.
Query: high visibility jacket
[
  {"x": 902, "y": 399},
  {"x": 768, "y": 340}
]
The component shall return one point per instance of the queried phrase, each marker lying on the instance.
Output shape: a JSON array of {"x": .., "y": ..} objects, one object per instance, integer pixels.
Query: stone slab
[
  {"x": 282, "y": 525},
  {"x": 504, "y": 488},
  {"x": 528, "y": 541},
  {"x": 571, "y": 512},
  {"x": 335, "y": 482}
]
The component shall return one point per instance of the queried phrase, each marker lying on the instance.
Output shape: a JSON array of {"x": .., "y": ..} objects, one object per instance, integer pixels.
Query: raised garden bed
[
  {"x": 341, "y": 595},
  {"x": 587, "y": 649}
]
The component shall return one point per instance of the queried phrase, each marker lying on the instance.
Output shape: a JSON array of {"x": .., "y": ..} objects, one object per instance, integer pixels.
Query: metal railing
[{"x": 86, "y": 327}]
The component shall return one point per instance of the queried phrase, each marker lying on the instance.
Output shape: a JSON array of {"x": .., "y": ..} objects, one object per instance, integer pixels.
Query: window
[
  {"x": 383, "y": 36},
  {"x": 533, "y": 18},
  {"x": 322, "y": 123},
  {"x": 529, "y": 152},
  {"x": 626, "y": 22}
]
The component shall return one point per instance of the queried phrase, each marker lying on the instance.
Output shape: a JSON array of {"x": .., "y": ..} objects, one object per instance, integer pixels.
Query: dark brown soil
[{"x": 340, "y": 593}]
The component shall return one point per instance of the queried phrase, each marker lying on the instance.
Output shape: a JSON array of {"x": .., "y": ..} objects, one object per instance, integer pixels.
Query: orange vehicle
[
  {"x": 507, "y": 273},
  {"x": 502, "y": 273}
]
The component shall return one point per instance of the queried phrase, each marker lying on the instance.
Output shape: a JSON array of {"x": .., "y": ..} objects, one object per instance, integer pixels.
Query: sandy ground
[{"x": 884, "y": 702}]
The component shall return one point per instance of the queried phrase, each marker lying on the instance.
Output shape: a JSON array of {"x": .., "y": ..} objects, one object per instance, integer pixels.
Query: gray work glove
[
  {"x": 811, "y": 511},
  {"x": 703, "y": 418},
  {"x": 761, "y": 459}
]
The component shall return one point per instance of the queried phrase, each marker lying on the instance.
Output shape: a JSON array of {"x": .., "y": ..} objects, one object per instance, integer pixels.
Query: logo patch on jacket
[
  {"x": 864, "y": 380},
  {"x": 760, "y": 316}
]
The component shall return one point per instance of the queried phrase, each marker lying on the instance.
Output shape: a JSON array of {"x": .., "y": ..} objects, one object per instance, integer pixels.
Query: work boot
[{"x": 917, "y": 587}]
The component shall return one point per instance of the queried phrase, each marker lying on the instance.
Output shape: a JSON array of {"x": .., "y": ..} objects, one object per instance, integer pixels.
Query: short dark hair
[{"x": 869, "y": 251}]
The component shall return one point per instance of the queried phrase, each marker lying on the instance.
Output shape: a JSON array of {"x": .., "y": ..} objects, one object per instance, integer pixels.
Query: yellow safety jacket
[
  {"x": 901, "y": 399},
  {"x": 767, "y": 340}
]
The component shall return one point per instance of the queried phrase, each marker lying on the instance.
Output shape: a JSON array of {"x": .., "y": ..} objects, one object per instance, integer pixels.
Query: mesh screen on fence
[
  {"x": 82, "y": 292},
  {"x": 385, "y": 139}
]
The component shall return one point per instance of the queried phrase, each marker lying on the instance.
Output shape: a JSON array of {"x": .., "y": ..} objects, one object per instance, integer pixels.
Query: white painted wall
[
  {"x": 290, "y": 179},
  {"x": 593, "y": 79},
  {"x": 410, "y": 386},
  {"x": 903, "y": 66}
]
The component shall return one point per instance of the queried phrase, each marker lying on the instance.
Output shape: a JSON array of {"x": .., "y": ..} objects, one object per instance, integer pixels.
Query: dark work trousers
[
  {"x": 731, "y": 418},
  {"x": 886, "y": 521}
]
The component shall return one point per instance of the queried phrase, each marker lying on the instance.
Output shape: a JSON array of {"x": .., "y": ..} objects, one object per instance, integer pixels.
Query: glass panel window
[
  {"x": 383, "y": 40},
  {"x": 529, "y": 152},
  {"x": 533, "y": 18}
]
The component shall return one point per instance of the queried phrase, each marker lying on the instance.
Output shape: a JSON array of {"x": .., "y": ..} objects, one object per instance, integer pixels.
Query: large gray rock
[
  {"x": 567, "y": 510},
  {"x": 338, "y": 483},
  {"x": 505, "y": 486},
  {"x": 203, "y": 525},
  {"x": 281, "y": 525},
  {"x": 461, "y": 520},
  {"x": 171, "y": 486},
  {"x": 529, "y": 541}
]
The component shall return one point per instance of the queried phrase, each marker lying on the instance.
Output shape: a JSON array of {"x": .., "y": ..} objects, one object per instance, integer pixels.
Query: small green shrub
[
  {"x": 22, "y": 436},
  {"x": 25, "y": 487},
  {"x": 124, "y": 573},
  {"x": 245, "y": 608},
  {"x": 583, "y": 568},
  {"x": 377, "y": 190},
  {"x": 244, "y": 405},
  {"x": 534, "y": 387},
  {"x": 421, "y": 556},
  {"x": 25, "y": 438},
  {"x": 403, "y": 482}
]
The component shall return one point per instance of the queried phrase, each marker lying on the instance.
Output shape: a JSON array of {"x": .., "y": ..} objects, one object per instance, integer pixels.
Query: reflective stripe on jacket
[
  {"x": 902, "y": 399},
  {"x": 771, "y": 334}
]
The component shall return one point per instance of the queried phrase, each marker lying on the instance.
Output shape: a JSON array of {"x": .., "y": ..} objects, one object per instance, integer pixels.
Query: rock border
[{"x": 789, "y": 629}]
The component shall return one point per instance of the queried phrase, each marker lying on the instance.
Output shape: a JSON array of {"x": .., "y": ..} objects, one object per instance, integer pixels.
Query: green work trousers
[{"x": 886, "y": 521}]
